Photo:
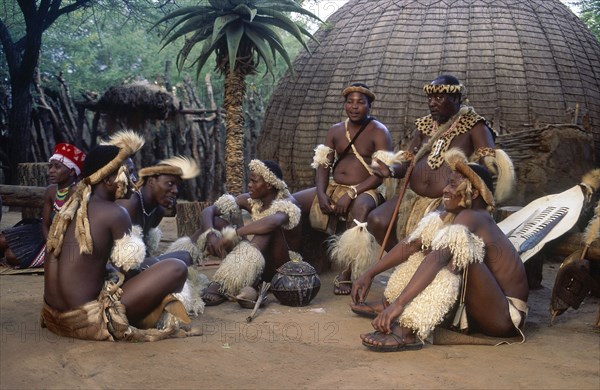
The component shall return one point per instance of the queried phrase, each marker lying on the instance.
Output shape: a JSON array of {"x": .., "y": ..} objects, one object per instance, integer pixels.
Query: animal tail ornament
[{"x": 356, "y": 247}]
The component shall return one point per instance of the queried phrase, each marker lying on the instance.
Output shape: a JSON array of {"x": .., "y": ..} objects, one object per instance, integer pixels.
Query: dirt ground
[{"x": 284, "y": 347}]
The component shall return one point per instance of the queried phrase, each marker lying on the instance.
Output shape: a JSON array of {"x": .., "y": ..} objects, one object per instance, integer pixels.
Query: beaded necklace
[{"x": 61, "y": 196}]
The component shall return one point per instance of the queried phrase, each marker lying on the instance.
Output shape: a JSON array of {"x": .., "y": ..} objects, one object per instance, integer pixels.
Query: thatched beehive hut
[{"x": 525, "y": 63}]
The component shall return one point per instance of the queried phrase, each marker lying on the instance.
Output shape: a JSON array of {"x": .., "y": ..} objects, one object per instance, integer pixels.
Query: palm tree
[{"x": 240, "y": 33}]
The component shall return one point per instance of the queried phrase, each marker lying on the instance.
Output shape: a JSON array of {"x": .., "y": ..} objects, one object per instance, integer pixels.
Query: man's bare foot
[
  {"x": 401, "y": 339},
  {"x": 212, "y": 295},
  {"x": 369, "y": 309},
  {"x": 342, "y": 284}
]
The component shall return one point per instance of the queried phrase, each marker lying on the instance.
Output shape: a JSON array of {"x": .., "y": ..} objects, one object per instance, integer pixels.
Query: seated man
[
  {"x": 426, "y": 282},
  {"x": 451, "y": 124},
  {"x": 353, "y": 191},
  {"x": 24, "y": 245},
  {"x": 81, "y": 299},
  {"x": 275, "y": 217},
  {"x": 157, "y": 189}
]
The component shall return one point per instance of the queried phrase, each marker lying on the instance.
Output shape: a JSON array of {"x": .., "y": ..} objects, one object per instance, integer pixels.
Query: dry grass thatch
[
  {"x": 522, "y": 61},
  {"x": 132, "y": 99}
]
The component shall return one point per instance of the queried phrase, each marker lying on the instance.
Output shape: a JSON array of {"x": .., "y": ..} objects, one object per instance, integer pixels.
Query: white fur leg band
[
  {"x": 466, "y": 247},
  {"x": 321, "y": 157},
  {"x": 153, "y": 240},
  {"x": 191, "y": 299},
  {"x": 428, "y": 308},
  {"x": 186, "y": 244},
  {"x": 240, "y": 268},
  {"x": 356, "y": 247},
  {"x": 129, "y": 251}
]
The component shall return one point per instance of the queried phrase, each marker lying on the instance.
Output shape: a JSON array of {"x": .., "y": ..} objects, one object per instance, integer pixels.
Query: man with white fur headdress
[
  {"x": 346, "y": 187},
  {"x": 275, "y": 218},
  {"x": 81, "y": 299},
  {"x": 459, "y": 253},
  {"x": 450, "y": 124},
  {"x": 157, "y": 189}
]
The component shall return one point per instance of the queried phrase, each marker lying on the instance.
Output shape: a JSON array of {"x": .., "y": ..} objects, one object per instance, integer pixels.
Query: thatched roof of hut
[
  {"x": 522, "y": 61},
  {"x": 149, "y": 100}
]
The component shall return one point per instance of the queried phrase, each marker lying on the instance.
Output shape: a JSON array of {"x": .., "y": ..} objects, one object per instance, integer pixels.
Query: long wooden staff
[{"x": 396, "y": 209}]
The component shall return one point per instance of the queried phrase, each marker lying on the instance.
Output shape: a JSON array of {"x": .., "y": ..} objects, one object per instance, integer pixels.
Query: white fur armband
[
  {"x": 321, "y": 157},
  {"x": 427, "y": 229},
  {"x": 129, "y": 251},
  {"x": 230, "y": 234},
  {"x": 384, "y": 156},
  {"x": 227, "y": 205},
  {"x": 293, "y": 212},
  {"x": 466, "y": 247}
]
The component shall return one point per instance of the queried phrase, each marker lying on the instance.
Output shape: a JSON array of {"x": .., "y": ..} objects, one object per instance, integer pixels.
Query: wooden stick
[{"x": 396, "y": 209}]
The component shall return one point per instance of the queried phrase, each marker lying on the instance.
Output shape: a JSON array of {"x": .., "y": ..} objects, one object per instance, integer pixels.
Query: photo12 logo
[{"x": 286, "y": 332}]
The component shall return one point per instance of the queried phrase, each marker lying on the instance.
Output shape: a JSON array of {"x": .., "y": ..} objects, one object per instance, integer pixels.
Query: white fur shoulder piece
[
  {"x": 129, "y": 251},
  {"x": 278, "y": 206},
  {"x": 466, "y": 247},
  {"x": 427, "y": 229}
]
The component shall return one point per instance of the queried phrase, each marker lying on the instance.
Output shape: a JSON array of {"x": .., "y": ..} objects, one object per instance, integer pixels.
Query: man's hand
[
  {"x": 342, "y": 205},
  {"x": 215, "y": 247},
  {"x": 380, "y": 169},
  {"x": 325, "y": 203},
  {"x": 383, "y": 322},
  {"x": 360, "y": 289}
]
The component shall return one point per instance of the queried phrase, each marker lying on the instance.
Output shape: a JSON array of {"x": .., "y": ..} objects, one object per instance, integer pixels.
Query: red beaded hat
[{"x": 70, "y": 156}]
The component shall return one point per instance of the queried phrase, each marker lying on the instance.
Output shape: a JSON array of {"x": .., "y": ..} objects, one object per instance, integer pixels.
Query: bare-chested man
[
  {"x": 352, "y": 192},
  {"x": 463, "y": 239},
  {"x": 80, "y": 299},
  {"x": 157, "y": 189},
  {"x": 274, "y": 229},
  {"x": 449, "y": 125}
]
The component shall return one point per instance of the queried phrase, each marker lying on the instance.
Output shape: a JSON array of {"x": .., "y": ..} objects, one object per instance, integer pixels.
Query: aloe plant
[{"x": 240, "y": 33}]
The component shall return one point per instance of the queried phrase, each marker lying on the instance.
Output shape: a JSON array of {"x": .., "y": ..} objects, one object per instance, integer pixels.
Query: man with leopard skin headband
[{"x": 451, "y": 124}]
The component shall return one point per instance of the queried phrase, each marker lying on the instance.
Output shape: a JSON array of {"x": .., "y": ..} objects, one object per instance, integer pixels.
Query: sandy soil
[{"x": 310, "y": 347}]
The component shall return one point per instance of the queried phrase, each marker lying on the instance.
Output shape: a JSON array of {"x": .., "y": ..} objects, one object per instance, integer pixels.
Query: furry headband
[
  {"x": 356, "y": 88},
  {"x": 180, "y": 166},
  {"x": 458, "y": 162},
  {"x": 261, "y": 169}
]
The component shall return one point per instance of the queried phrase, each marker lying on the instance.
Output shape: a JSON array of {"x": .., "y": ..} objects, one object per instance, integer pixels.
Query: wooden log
[
  {"x": 188, "y": 217},
  {"x": 22, "y": 196},
  {"x": 33, "y": 174}
]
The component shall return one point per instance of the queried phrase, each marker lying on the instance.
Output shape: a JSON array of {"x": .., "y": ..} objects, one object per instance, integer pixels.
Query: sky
[{"x": 326, "y": 8}]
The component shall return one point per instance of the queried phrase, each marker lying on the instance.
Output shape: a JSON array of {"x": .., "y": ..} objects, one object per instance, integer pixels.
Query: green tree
[
  {"x": 590, "y": 14},
  {"x": 240, "y": 33},
  {"x": 21, "y": 38}
]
